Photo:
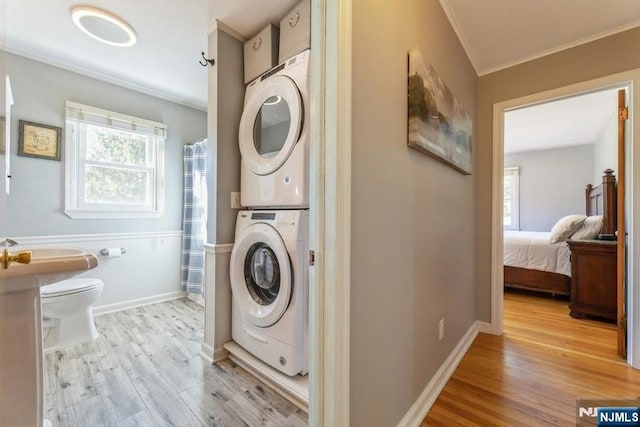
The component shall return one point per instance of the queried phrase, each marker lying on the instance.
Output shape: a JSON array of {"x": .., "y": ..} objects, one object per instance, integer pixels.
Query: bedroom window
[
  {"x": 511, "y": 198},
  {"x": 114, "y": 166}
]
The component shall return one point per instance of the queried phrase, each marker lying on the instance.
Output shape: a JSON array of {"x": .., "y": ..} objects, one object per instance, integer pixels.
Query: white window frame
[
  {"x": 513, "y": 173},
  {"x": 77, "y": 117}
]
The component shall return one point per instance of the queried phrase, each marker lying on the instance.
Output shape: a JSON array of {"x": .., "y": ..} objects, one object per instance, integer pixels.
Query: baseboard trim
[
  {"x": 220, "y": 354},
  {"x": 206, "y": 352},
  {"x": 198, "y": 299},
  {"x": 125, "y": 305},
  {"x": 421, "y": 407},
  {"x": 485, "y": 327}
]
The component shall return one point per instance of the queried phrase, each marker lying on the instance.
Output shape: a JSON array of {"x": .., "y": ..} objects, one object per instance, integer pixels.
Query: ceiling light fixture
[{"x": 103, "y": 26}]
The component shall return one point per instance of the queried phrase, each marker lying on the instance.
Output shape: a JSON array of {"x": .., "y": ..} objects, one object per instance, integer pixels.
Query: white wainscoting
[
  {"x": 217, "y": 313},
  {"x": 148, "y": 272}
]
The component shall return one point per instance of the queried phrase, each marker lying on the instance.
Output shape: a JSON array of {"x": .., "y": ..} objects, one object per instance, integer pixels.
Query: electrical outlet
[
  {"x": 441, "y": 329},
  {"x": 235, "y": 200}
]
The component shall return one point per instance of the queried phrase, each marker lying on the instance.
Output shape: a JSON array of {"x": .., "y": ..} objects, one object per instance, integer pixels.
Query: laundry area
[{"x": 269, "y": 259}]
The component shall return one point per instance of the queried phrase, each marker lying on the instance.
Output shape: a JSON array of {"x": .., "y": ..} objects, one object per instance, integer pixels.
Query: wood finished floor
[
  {"x": 145, "y": 370},
  {"x": 533, "y": 374}
]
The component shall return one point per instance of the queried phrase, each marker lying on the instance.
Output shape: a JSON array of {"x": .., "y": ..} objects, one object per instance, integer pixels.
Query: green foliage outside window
[{"x": 112, "y": 181}]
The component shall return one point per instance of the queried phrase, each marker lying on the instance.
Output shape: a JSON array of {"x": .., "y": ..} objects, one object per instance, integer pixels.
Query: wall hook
[{"x": 211, "y": 61}]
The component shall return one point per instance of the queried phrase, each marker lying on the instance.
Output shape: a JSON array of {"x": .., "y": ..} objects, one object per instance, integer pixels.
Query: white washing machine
[
  {"x": 274, "y": 137},
  {"x": 269, "y": 281}
]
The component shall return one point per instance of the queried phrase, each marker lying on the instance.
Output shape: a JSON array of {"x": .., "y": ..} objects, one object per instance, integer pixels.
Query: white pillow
[
  {"x": 565, "y": 227},
  {"x": 589, "y": 229}
]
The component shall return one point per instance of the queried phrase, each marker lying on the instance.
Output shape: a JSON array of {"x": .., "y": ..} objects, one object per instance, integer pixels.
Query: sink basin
[
  {"x": 48, "y": 265},
  {"x": 21, "y": 401}
]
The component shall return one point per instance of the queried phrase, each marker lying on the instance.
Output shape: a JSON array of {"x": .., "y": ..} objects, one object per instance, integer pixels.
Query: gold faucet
[{"x": 21, "y": 257}]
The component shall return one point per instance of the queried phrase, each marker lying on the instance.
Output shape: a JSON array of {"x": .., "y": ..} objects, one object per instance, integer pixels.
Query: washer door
[
  {"x": 261, "y": 274},
  {"x": 270, "y": 125}
]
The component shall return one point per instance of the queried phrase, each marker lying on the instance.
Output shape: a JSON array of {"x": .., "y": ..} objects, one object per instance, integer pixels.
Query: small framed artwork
[
  {"x": 3, "y": 144},
  {"x": 38, "y": 140}
]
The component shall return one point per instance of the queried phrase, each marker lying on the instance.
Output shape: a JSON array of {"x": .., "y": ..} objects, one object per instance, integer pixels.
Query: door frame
[
  {"x": 330, "y": 213},
  {"x": 631, "y": 81}
]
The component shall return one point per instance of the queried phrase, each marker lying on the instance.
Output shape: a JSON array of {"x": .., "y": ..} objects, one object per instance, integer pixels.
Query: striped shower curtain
[{"x": 194, "y": 220}]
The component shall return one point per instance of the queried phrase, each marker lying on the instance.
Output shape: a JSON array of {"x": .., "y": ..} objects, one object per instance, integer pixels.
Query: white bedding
[{"x": 532, "y": 250}]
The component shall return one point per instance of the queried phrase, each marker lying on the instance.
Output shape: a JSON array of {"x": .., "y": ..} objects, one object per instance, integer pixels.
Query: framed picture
[
  {"x": 3, "y": 144},
  {"x": 437, "y": 124},
  {"x": 38, "y": 140}
]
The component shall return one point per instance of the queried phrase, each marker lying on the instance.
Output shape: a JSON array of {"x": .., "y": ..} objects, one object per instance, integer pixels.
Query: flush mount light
[{"x": 103, "y": 26}]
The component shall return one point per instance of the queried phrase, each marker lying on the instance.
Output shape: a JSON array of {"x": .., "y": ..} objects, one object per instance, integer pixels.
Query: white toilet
[{"x": 67, "y": 310}]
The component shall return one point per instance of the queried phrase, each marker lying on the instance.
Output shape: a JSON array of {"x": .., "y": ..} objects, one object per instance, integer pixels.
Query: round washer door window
[
  {"x": 262, "y": 273},
  {"x": 261, "y": 279},
  {"x": 271, "y": 124}
]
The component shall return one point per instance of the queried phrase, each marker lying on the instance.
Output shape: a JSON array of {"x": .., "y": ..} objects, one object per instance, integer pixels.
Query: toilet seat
[{"x": 70, "y": 286}]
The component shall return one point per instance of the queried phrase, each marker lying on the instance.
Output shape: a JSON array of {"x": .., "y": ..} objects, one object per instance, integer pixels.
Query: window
[
  {"x": 511, "y": 198},
  {"x": 114, "y": 164}
]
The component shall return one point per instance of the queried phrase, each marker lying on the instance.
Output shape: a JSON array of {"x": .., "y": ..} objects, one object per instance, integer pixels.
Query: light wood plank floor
[
  {"x": 533, "y": 374},
  {"x": 145, "y": 370}
]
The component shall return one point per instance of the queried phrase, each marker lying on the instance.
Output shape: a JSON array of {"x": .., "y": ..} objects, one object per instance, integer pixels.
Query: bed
[{"x": 531, "y": 262}]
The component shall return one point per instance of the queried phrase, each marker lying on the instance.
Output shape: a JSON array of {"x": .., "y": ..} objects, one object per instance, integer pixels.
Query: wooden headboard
[{"x": 602, "y": 200}]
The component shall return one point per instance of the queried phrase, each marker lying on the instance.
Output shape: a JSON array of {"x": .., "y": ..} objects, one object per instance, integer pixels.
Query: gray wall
[
  {"x": 603, "y": 57},
  {"x": 552, "y": 184},
  {"x": 412, "y": 253},
  {"x": 605, "y": 149},
  {"x": 226, "y": 100},
  {"x": 36, "y": 204}
]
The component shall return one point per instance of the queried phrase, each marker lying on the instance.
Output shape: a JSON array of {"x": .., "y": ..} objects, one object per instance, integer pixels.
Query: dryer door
[
  {"x": 270, "y": 125},
  {"x": 261, "y": 274}
]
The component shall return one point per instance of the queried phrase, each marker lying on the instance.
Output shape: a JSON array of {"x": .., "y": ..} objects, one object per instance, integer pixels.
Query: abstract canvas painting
[{"x": 437, "y": 124}]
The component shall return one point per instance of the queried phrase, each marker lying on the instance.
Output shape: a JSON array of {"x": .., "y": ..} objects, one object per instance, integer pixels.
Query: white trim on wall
[
  {"x": 421, "y": 407},
  {"x": 147, "y": 273},
  {"x": 217, "y": 302},
  {"x": 126, "y": 305},
  {"x": 216, "y": 24},
  {"x": 630, "y": 80},
  {"x": 223, "y": 248},
  {"x": 65, "y": 65},
  {"x": 330, "y": 278},
  {"x": 62, "y": 239}
]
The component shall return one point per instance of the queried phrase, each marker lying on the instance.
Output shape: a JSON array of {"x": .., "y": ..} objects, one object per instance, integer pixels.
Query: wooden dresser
[{"x": 593, "y": 278}]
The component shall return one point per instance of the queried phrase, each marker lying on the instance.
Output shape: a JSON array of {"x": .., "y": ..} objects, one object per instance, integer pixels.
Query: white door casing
[{"x": 631, "y": 81}]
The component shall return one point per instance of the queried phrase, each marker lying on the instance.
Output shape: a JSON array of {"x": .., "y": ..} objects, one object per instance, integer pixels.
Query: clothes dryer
[
  {"x": 269, "y": 281},
  {"x": 274, "y": 137}
]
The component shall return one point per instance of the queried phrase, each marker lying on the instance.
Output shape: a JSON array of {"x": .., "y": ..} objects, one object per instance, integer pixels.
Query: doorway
[
  {"x": 552, "y": 151},
  {"x": 624, "y": 80}
]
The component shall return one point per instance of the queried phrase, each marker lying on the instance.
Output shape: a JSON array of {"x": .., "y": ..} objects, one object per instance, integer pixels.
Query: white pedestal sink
[{"x": 21, "y": 401}]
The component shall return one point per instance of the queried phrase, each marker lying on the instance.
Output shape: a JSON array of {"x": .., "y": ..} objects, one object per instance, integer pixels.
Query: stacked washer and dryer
[{"x": 269, "y": 262}]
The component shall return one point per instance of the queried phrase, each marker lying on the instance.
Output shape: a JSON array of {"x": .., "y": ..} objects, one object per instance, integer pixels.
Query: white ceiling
[
  {"x": 171, "y": 35},
  {"x": 500, "y": 33},
  {"x": 497, "y": 34},
  {"x": 566, "y": 122}
]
